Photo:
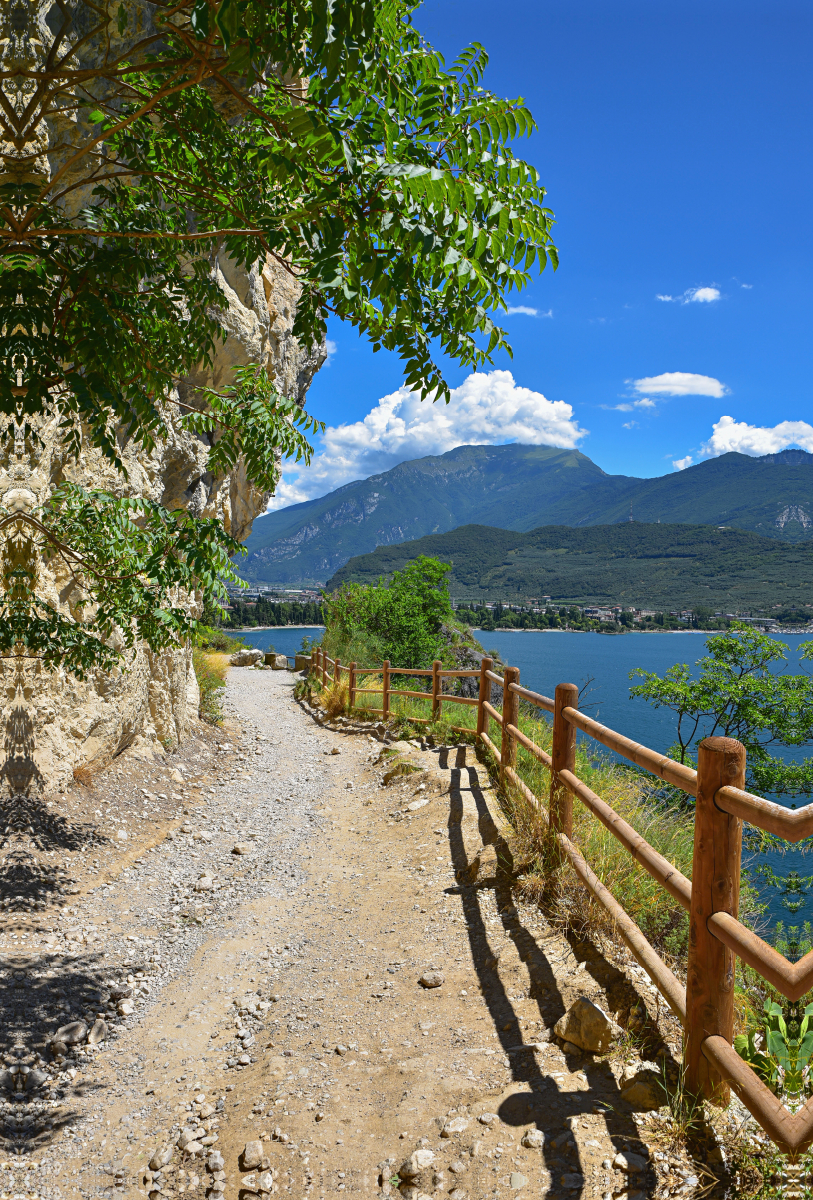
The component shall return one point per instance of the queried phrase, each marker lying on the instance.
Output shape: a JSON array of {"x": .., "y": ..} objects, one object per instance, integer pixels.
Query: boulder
[
  {"x": 586, "y": 1026},
  {"x": 278, "y": 662},
  {"x": 642, "y": 1086},
  {"x": 247, "y": 657}
]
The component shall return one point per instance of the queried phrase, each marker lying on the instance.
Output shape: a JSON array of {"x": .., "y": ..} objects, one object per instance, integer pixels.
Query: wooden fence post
[
  {"x": 563, "y": 753},
  {"x": 484, "y": 695},
  {"x": 715, "y": 888},
  {"x": 436, "y": 685},
  {"x": 351, "y": 698},
  {"x": 313, "y": 660},
  {"x": 337, "y": 672},
  {"x": 385, "y": 699},
  {"x": 324, "y": 669},
  {"x": 510, "y": 715}
]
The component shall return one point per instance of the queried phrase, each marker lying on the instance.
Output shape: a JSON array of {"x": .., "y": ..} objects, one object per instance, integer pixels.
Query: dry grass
[
  {"x": 83, "y": 776},
  {"x": 210, "y": 669}
]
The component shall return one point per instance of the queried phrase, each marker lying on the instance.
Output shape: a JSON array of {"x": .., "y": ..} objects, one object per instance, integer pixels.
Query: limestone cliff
[{"x": 150, "y": 701}]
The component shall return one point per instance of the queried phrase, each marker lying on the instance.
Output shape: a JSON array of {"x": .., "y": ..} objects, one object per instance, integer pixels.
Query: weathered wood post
[
  {"x": 484, "y": 696},
  {"x": 351, "y": 698},
  {"x": 385, "y": 698},
  {"x": 436, "y": 684},
  {"x": 313, "y": 660},
  {"x": 337, "y": 672},
  {"x": 715, "y": 888},
  {"x": 510, "y": 716},
  {"x": 563, "y": 753},
  {"x": 324, "y": 669}
]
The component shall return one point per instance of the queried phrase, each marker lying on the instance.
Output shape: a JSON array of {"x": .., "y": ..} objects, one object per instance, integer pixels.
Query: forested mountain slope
[{"x": 520, "y": 488}]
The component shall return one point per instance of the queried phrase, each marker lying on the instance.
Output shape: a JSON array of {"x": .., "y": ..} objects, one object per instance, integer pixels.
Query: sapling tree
[{"x": 739, "y": 690}]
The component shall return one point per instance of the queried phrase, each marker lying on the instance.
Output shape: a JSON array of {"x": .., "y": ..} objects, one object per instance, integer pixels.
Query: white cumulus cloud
[
  {"x": 487, "y": 409},
  {"x": 525, "y": 311},
  {"x": 696, "y": 295},
  {"x": 756, "y": 440},
  {"x": 633, "y": 404},
  {"x": 681, "y": 383},
  {"x": 680, "y": 464}
]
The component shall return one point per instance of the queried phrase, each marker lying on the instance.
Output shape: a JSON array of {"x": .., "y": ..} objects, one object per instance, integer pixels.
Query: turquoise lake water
[{"x": 545, "y": 659}]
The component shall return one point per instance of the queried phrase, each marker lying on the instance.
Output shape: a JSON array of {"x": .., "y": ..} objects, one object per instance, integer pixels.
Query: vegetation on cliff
[{"x": 387, "y": 187}]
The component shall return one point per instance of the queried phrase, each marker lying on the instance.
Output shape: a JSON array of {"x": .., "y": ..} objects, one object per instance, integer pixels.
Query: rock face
[
  {"x": 56, "y": 724},
  {"x": 149, "y": 702}
]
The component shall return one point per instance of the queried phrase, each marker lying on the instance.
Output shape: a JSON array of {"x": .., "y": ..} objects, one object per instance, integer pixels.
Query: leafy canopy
[
  {"x": 740, "y": 692},
  {"x": 400, "y": 619},
  {"x": 385, "y": 185}
]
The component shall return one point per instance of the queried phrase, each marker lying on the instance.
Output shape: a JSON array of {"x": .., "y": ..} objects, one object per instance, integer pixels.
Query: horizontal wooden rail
[
  {"x": 492, "y": 712},
  {"x": 530, "y": 746},
  {"x": 459, "y": 674},
  {"x": 791, "y": 979},
  {"x": 512, "y": 776},
  {"x": 407, "y": 671},
  {"x": 661, "y": 870},
  {"x": 791, "y": 824},
  {"x": 408, "y": 692},
  {"x": 369, "y": 691},
  {"x": 490, "y": 746},
  {"x": 666, "y": 982},
  {"x": 494, "y": 678},
  {"x": 532, "y": 697},
  {"x": 658, "y": 764},
  {"x": 472, "y": 700},
  {"x": 793, "y": 1133}
]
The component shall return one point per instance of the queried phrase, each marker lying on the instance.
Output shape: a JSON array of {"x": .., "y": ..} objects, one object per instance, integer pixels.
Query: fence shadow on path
[{"x": 542, "y": 1102}]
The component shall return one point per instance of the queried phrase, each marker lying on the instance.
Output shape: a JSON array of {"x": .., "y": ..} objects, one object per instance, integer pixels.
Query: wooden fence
[{"x": 705, "y": 1005}]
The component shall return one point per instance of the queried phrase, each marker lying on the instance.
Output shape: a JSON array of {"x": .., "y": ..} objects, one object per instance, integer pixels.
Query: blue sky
[{"x": 675, "y": 143}]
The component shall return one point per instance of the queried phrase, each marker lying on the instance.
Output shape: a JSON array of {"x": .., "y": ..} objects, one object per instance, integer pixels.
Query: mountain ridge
[{"x": 523, "y": 487}]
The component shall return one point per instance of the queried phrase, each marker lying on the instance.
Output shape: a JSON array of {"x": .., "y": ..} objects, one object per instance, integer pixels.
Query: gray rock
[
  {"x": 431, "y": 979},
  {"x": 631, "y": 1163},
  {"x": 72, "y": 1034},
  {"x": 642, "y": 1086},
  {"x": 252, "y": 1155},
  {"x": 487, "y": 1118},
  {"x": 456, "y": 1125},
  {"x": 419, "y": 1160},
  {"x": 35, "y": 1079},
  {"x": 586, "y": 1025},
  {"x": 204, "y": 884},
  {"x": 215, "y": 1161},
  {"x": 247, "y": 657},
  {"x": 125, "y": 1008},
  {"x": 58, "y": 1049},
  {"x": 265, "y": 1181},
  {"x": 518, "y": 1181},
  {"x": 242, "y": 848},
  {"x": 534, "y": 1139},
  {"x": 122, "y": 992},
  {"x": 97, "y": 1033},
  {"x": 572, "y": 1181},
  {"x": 160, "y": 1158}
]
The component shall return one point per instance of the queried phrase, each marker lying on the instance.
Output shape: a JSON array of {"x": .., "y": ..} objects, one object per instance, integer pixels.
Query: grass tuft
[{"x": 210, "y": 669}]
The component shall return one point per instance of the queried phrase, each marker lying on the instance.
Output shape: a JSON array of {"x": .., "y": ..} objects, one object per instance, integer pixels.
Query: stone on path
[
  {"x": 534, "y": 1139},
  {"x": 252, "y": 1155},
  {"x": 431, "y": 979},
  {"x": 642, "y": 1086},
  {"x": 72, "y": 1034},
  {"x": 160, "y": 1158},
  {"x": 98, "y": 1032},
  {"x": 419, "y": 1160},
  {"x": 586, "y": 1026},
  {"x": 456, "y": 1125}
]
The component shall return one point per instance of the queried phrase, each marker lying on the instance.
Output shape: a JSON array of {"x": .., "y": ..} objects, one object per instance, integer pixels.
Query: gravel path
[{"x": 271, "y": 936}]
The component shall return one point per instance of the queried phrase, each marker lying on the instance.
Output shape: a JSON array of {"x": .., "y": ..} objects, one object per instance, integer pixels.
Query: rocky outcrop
[{"x": 149, "y": 702}]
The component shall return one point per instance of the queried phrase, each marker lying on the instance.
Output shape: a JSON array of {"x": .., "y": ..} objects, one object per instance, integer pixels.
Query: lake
[{"x": 545, "y": 659}]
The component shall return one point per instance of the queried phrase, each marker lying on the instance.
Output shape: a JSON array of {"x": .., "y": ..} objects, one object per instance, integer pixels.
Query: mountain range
[
  {"x": 663, "y": 567},
  {"x": 520, "y": 488}
]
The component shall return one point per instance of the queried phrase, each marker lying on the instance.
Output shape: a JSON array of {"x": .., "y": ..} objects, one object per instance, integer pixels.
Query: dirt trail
[{"x": 272, "y": 918}]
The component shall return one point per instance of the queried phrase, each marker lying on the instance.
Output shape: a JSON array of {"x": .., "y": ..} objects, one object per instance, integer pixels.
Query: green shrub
[{"x": 209, "y": 638}]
